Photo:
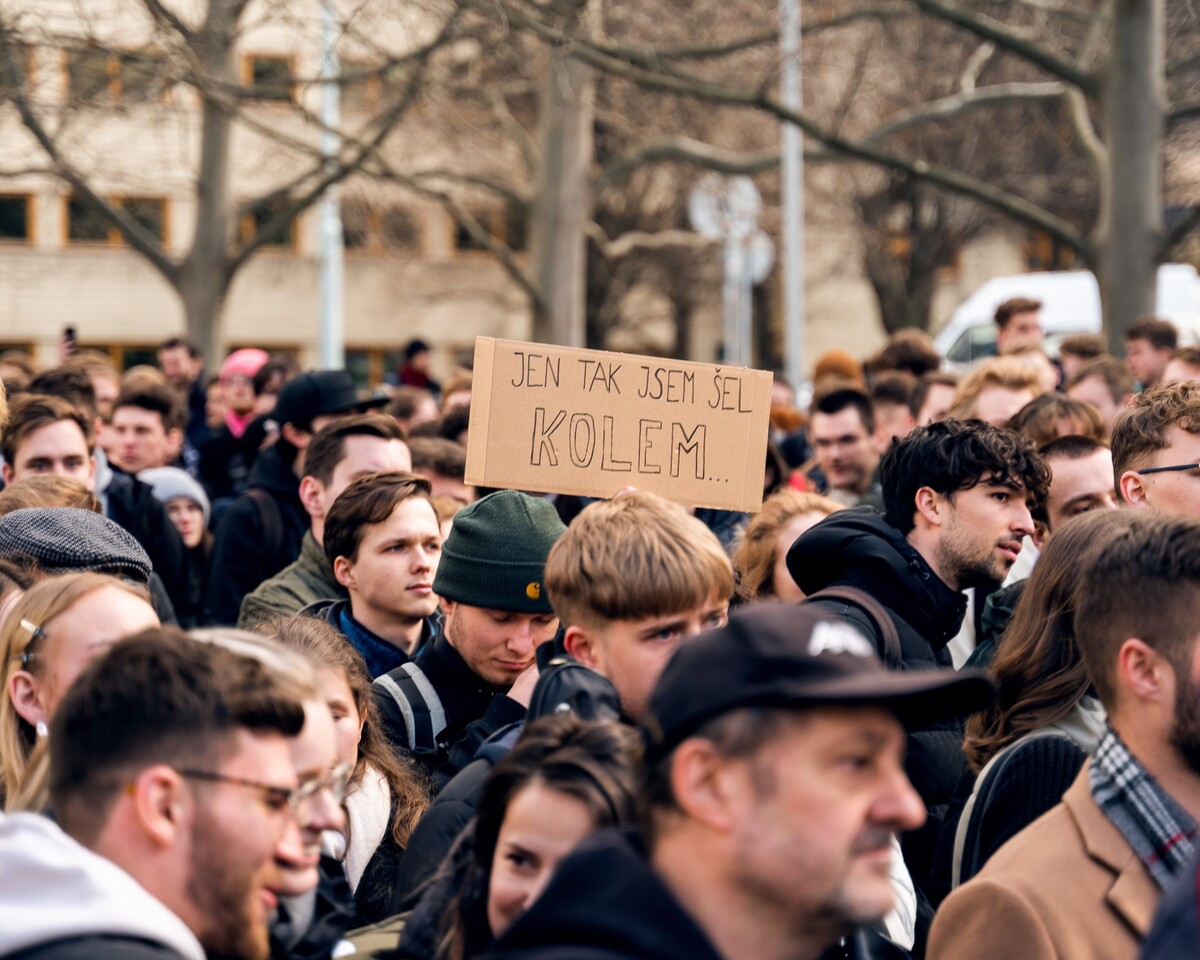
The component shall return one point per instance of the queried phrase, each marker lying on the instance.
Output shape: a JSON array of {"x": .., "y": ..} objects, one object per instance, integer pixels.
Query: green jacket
[{"x": 297, "y": 585}]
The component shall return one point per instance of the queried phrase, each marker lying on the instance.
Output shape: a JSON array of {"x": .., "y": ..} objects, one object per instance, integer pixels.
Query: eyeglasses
[
  {"x": 299, "y": 800},
  {"x": 1177, "y": 467}
]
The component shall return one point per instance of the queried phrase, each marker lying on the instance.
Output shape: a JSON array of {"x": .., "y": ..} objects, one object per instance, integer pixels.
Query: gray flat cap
[{"x": 66, "y": 539}]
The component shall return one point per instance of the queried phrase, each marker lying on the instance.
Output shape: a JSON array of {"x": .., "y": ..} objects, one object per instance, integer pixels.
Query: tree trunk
[
  {"x": 1131, "y": 219},
  {"x": 206, "y": 274},
  {"x": 562, "y": 200}
]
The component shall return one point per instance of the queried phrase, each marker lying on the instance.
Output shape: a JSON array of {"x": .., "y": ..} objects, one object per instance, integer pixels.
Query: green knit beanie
[{"x": 496, "y": 553}]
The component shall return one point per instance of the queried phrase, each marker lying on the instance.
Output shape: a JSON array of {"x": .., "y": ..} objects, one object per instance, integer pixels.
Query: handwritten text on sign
[{"x": 588, "y": 422}]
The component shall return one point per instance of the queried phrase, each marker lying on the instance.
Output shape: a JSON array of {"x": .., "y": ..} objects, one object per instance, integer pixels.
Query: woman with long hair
[
  {"x": 385, "y": 796},
  {"x": 760, "y": 560},
  {"x": 564, "y": 779},
  {"x": 1029, "y": 745},
  {"x": 48, "y": 636}
]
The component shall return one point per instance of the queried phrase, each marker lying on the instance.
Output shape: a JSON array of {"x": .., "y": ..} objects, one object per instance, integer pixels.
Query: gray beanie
[
  {"x": 167, "y": 483},
  {"x": 67, "y": 539},
  {"x": 496, "y": 553}
]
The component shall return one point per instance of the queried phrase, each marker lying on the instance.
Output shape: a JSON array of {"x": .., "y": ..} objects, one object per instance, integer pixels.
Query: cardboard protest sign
[{"x": 589, "y": 422}]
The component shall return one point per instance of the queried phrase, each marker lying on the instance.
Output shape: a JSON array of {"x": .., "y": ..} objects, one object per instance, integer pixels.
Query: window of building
[
  {"x": 16, "y": 218},
  {"x": 269, "y": 77},
  {"x": 255, "y": 220},
  {"x": 22, "y": 63},
  {"x": 368, "y": 227},
  {"x": 506, "y": 224},
  {"x": 1044, "y": 252},
  {"x": 96, "y": 72},
  {"x": 85, "y": 225},
  {"x": 369, "y": 367}
]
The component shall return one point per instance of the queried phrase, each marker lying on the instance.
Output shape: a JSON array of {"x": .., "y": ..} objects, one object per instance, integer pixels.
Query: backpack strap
[
  {"x": 421, "y": 707},
  {"x": 885, "y": 628},
  {"x": 981, "y": 791},
  {"x": 272, "y": 522}
]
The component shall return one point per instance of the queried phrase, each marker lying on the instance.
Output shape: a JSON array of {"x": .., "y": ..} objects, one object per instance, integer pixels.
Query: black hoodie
[
  {"x": 859, "y": 548},
  {"x": 605, "y": 902}
]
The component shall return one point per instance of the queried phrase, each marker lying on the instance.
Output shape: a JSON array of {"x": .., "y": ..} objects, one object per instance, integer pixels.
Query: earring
[{"x": 41, "y": 728}]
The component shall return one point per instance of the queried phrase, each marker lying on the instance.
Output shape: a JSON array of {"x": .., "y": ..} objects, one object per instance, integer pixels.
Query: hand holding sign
[{"x": 589, "y": 422}]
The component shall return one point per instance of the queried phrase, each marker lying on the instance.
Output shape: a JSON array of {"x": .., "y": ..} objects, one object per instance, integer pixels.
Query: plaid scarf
[{"x": 1159, "y": 830}]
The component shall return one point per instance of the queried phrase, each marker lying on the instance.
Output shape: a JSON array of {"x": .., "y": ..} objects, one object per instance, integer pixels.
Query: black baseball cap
[
  {"x": 788, "y": 655},
  {"x": 319, "y": 393}
]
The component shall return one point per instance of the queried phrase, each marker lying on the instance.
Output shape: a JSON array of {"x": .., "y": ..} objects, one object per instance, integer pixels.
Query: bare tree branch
[
  {"x": 474, "y": 180},
  {"x": 684, "y": 150},
  {"x": 1085, "y": 131},
  {"x": 1011, "y": 40},
  {"x": 640, "y": 241},
  {"x": 1180, "y": 113},
  {"x": 1184, "y": 226},
  {"x": 965, "y": 101},
  {"x": 1016, "y": 207},
  {"x": 168, "y": 19}
]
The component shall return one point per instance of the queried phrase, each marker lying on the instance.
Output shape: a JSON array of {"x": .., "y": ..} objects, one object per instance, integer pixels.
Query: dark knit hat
[
  {"x": 66, "y": 540},
  {"x": 496, "y": 552}
]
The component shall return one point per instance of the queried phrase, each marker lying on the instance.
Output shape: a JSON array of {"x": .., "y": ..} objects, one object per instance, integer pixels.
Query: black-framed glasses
[
  {"x": 1179, "y": 467},
  {"x": 299, "y": 800}
]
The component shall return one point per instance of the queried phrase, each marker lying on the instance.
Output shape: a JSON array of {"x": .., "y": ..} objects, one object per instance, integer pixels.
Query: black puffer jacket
[{"x": 858, "y": 548}]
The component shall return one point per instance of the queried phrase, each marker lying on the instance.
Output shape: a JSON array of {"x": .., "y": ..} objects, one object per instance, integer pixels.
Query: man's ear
[
  {"x": 312, "y": 495},
  {"x": 1041, "y": 533},
  {"x": 706, "y": 785},
  {"x": 930, "y": 505},
  {"x": 1143, "y": 674},
  {"x": 298, "y": 438},
  {"x": 343, "y": 572},
  {"x": 160, "y": 804},
  {"x": 7, "y": 472},
  {"x": 581, "y": 644},
  {"x": 174, "y": 443},
  {"x": 1132, "y": 488}
]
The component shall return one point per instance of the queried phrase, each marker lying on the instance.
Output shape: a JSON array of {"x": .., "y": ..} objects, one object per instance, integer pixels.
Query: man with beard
[
  {"x": 957, "y": 498},
  {"x": 1084, "y": 880},
  {"x": 773, "y": 785},
  {"x": 173, "y": 781}
]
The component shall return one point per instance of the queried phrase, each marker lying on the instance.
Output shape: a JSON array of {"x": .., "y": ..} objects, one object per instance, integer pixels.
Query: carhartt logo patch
[
  {"x": 533, "y": 591},
  {"x": 838, "y": 638}
]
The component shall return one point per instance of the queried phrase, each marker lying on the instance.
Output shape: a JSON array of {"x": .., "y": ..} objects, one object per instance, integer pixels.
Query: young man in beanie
[
  {"x": 774, "y": 784},
  {"x": 476, "y": 675}
]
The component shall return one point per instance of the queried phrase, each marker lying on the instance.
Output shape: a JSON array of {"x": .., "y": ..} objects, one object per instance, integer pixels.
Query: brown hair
[
  {"x": 156, "y": 398},
  {"x": 1140, "y": 430},
  {"x": 1086, "y": 346},
  {"x": 1038, "y": 668},
  {"x": 921, "y": 390},
  {"x": 441, "y": 456},
  {"x": 367, "y": 501},
  {"x": 157, "y": 697},
  {"x": 755, "y": 556},
  {"x": 909, "y": 350},
  {"x": 1188, "y": 355},
  {"x": 1111, "y": 371},
  {"x": 1144, "y": 582},
  {"x": 33, "y": 411},
  {"x": 41, "y": 603},
  {"x": 994, "y": 372},
  {"x": 323, "y": 647},
  {"x": 445, "y": 507},
  {"x": 406, "y": 400},
  {"x": 1039, "y": 420},
  {"x": 1010, "y": 308},
  {"x": 47, "y": 490},
  {"x": 328, "y": 446},
  {"x": 634, "y": 557},
  {"x": 1160, "y": 334},
  {"x": 838, "y": 365}
]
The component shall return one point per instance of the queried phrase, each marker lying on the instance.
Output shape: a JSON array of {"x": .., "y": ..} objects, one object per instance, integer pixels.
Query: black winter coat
[
  {"x": 242, "y": 555},
  {"x": 858, "y": 548},
  {"x": 606, "y": 903},
  {"x": 97, "y": 948}
]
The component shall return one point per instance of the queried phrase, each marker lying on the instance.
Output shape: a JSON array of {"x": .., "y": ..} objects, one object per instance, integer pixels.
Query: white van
[{"x": 1070, "y": 305}]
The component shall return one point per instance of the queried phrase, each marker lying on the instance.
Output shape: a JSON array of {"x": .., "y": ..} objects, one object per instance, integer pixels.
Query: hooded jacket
[
  {"x": 307, "y": 580},
  {"x": 605, "y": 902},
  {"x": 859, "y": 548},
  {"x": 242, "y": 557},
  {"x": 59, "y": 900}
]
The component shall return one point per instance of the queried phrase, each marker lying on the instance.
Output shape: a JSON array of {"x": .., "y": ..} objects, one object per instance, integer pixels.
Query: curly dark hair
[{"x": 954, "y": 455}]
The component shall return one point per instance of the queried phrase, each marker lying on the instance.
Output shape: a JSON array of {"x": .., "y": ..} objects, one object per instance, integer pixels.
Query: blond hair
[
  {"x": 40, "y": 604},
  {"x": 755, "y": 556},
  {"x": 634, "y": 557},
  {"x": 1005, "y": 372}
]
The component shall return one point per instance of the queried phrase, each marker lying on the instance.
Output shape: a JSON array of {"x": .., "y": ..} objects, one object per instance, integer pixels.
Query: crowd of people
[{"x": 278, "y": 683}]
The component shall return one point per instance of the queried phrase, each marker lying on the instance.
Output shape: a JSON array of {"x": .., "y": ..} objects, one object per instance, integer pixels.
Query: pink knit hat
[{"x": 244, "y": 363}]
